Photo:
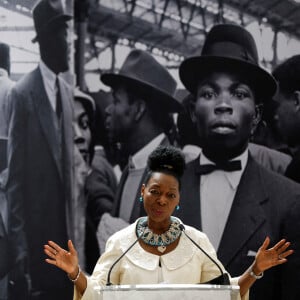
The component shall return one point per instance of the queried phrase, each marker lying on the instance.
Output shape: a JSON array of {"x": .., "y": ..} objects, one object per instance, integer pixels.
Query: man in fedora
[
  {"x": 139, "y": 119},
  {"x": 40, "y": 152},
  {"x": 229, "y": 196}
]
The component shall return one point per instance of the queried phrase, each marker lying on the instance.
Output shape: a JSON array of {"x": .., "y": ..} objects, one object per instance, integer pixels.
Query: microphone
[
  {"x": 108, "y": 283},
  {"x": 223, "y": 279}
]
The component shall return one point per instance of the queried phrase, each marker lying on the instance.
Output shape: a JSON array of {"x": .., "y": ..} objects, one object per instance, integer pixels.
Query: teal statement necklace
[{"x": 158, "y": 240}]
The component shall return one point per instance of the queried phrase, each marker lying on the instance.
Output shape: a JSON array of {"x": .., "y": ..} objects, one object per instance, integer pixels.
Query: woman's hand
[
  {"x": 65, "y": 260},
  {"x": 268, "y": 258}
]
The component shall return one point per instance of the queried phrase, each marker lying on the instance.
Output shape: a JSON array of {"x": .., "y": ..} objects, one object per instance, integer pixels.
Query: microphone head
[{"x": 181, "y": 227}]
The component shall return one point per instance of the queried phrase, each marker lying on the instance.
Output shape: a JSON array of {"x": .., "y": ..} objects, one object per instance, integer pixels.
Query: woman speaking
[{"x": 158, "y": 248}]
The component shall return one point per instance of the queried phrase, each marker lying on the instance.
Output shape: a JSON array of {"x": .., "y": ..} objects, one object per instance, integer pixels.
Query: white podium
[{"x": 169, "y": 292}]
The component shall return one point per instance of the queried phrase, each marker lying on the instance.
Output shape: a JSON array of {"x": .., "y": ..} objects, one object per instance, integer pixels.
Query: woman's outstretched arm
[
  {"x": 68, "y": 262},
  {"x": 264, "y": 260}
]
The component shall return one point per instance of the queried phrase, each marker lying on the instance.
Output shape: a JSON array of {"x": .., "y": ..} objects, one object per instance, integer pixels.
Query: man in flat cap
[
  {"x": 40, "y": 161},
  {"x": 229, "y": 196}
]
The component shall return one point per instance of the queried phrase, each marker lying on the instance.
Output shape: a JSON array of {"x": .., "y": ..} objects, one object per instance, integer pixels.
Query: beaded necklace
[{"x": 158, "y": 240}]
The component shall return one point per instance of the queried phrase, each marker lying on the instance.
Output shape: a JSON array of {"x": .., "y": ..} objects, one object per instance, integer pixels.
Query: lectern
[{"x": 168, "y": 292}]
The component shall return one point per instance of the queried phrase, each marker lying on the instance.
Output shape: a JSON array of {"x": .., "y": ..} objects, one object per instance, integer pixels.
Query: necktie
[
  {"x": 58, "y": 100},
  {"x": 228, "y": 166}
]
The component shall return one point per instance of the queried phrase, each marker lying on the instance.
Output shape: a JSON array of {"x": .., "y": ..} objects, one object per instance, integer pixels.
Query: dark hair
[
  {"x": 287, "y": 75},
  {"x": 89, "y": 109},
  {"x": 168, "y": 160}
]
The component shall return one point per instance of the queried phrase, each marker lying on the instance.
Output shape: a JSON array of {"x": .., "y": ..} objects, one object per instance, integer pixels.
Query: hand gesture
[
  {"x": 63, "y": 259},
  {"x": 268, "y": 258}
]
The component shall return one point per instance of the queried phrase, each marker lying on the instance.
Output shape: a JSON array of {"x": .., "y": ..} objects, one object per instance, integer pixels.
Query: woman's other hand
[
  {"x": 63, "y": 259},
  {"x": 268, "y": 258}
]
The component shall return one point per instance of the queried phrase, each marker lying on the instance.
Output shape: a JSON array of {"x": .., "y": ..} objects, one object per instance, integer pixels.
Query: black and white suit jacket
[
  {"x": 40, "y": 175},
  {"x": 265, "y": 204}
]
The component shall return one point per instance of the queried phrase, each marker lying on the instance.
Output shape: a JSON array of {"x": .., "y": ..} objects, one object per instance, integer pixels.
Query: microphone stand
[
  {"x": 108, "y": 283},
  {"x": 109, "y": 272},
  {"x": 223, "y": 279}
]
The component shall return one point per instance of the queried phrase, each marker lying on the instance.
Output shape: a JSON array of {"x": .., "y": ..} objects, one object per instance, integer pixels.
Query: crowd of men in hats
[{"x": 55, "y": 184}]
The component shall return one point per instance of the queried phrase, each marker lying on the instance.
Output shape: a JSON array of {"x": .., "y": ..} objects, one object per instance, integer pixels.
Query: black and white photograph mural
[{"x": 128, "y": 127}]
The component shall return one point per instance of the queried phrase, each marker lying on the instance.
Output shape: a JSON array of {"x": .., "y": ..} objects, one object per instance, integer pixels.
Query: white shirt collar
[
  {"x": 49, "y": 77},
  {"x": 49, "y": 80},
  {"x": 233, "y": 177},
  {"x": 139, "y": 159}
]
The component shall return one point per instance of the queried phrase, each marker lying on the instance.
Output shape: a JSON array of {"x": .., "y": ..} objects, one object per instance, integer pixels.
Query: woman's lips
[{"x": 158, "y": 212}]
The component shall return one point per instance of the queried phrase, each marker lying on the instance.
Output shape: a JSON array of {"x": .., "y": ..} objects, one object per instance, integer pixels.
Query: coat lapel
[
  {"x": 190, "y": 210},
  {"x": 246, "y": 214},
  {"x": 67, "y": 115},
  {"x": 44, "y": 112},
  {"x": 116, "y": 204},
  {"x": 68, "y": 148}
]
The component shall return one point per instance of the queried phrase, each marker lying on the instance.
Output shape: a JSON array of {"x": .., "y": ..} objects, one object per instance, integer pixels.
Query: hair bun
[{"x": 167, "y": 158}]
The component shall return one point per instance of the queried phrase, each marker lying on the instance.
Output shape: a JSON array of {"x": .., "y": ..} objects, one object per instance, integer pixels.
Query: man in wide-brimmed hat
[
  {"x": 140, "y": 119},
  {"x": 228, "y": 195},
  {"x": 40, "y": 163}
]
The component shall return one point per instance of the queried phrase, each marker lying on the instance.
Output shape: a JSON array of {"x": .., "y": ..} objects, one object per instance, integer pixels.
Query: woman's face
[
  {"x": 83, "y": 136},
  {"x": 161, "y": 196}
]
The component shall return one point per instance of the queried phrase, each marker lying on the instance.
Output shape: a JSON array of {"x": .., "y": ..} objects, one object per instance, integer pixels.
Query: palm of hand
[
  {"x": 63, "y": 259},
  {"x": 268, "y": 258}
]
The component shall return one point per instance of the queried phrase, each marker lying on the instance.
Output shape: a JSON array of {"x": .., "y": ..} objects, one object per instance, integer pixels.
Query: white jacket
[{"x": 186, "y": 264}]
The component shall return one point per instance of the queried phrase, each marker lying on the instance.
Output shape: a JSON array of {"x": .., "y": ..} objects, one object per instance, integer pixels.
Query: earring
[
  {"x": 141, "y": 199},
  {"x": 177, "y": 207}
]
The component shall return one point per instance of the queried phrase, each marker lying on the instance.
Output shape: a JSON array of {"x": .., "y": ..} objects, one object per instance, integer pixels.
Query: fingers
[
  {"x": 53, "y": 251},
  {"x": 282, "y": 252},
  {"x": 279, "y": 244},
  {"x": 71, "y": 248},
  {"x": 54, "y": 246},
  {"x": 50, "y": 261},
  {"x": 50, "y": 251},
  {"x": 285, "y": 254},
  {"x": 281, "y": 249},
  {"x": 265, "y": 244}
]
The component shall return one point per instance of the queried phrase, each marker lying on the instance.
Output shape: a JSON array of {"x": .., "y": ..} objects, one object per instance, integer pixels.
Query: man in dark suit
[
  {"x": 5, "y": 85},
  {"x": 40, "y": 161},
  {"x": 225, "y": 193},
  {"x": 288, "y": 111}
]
